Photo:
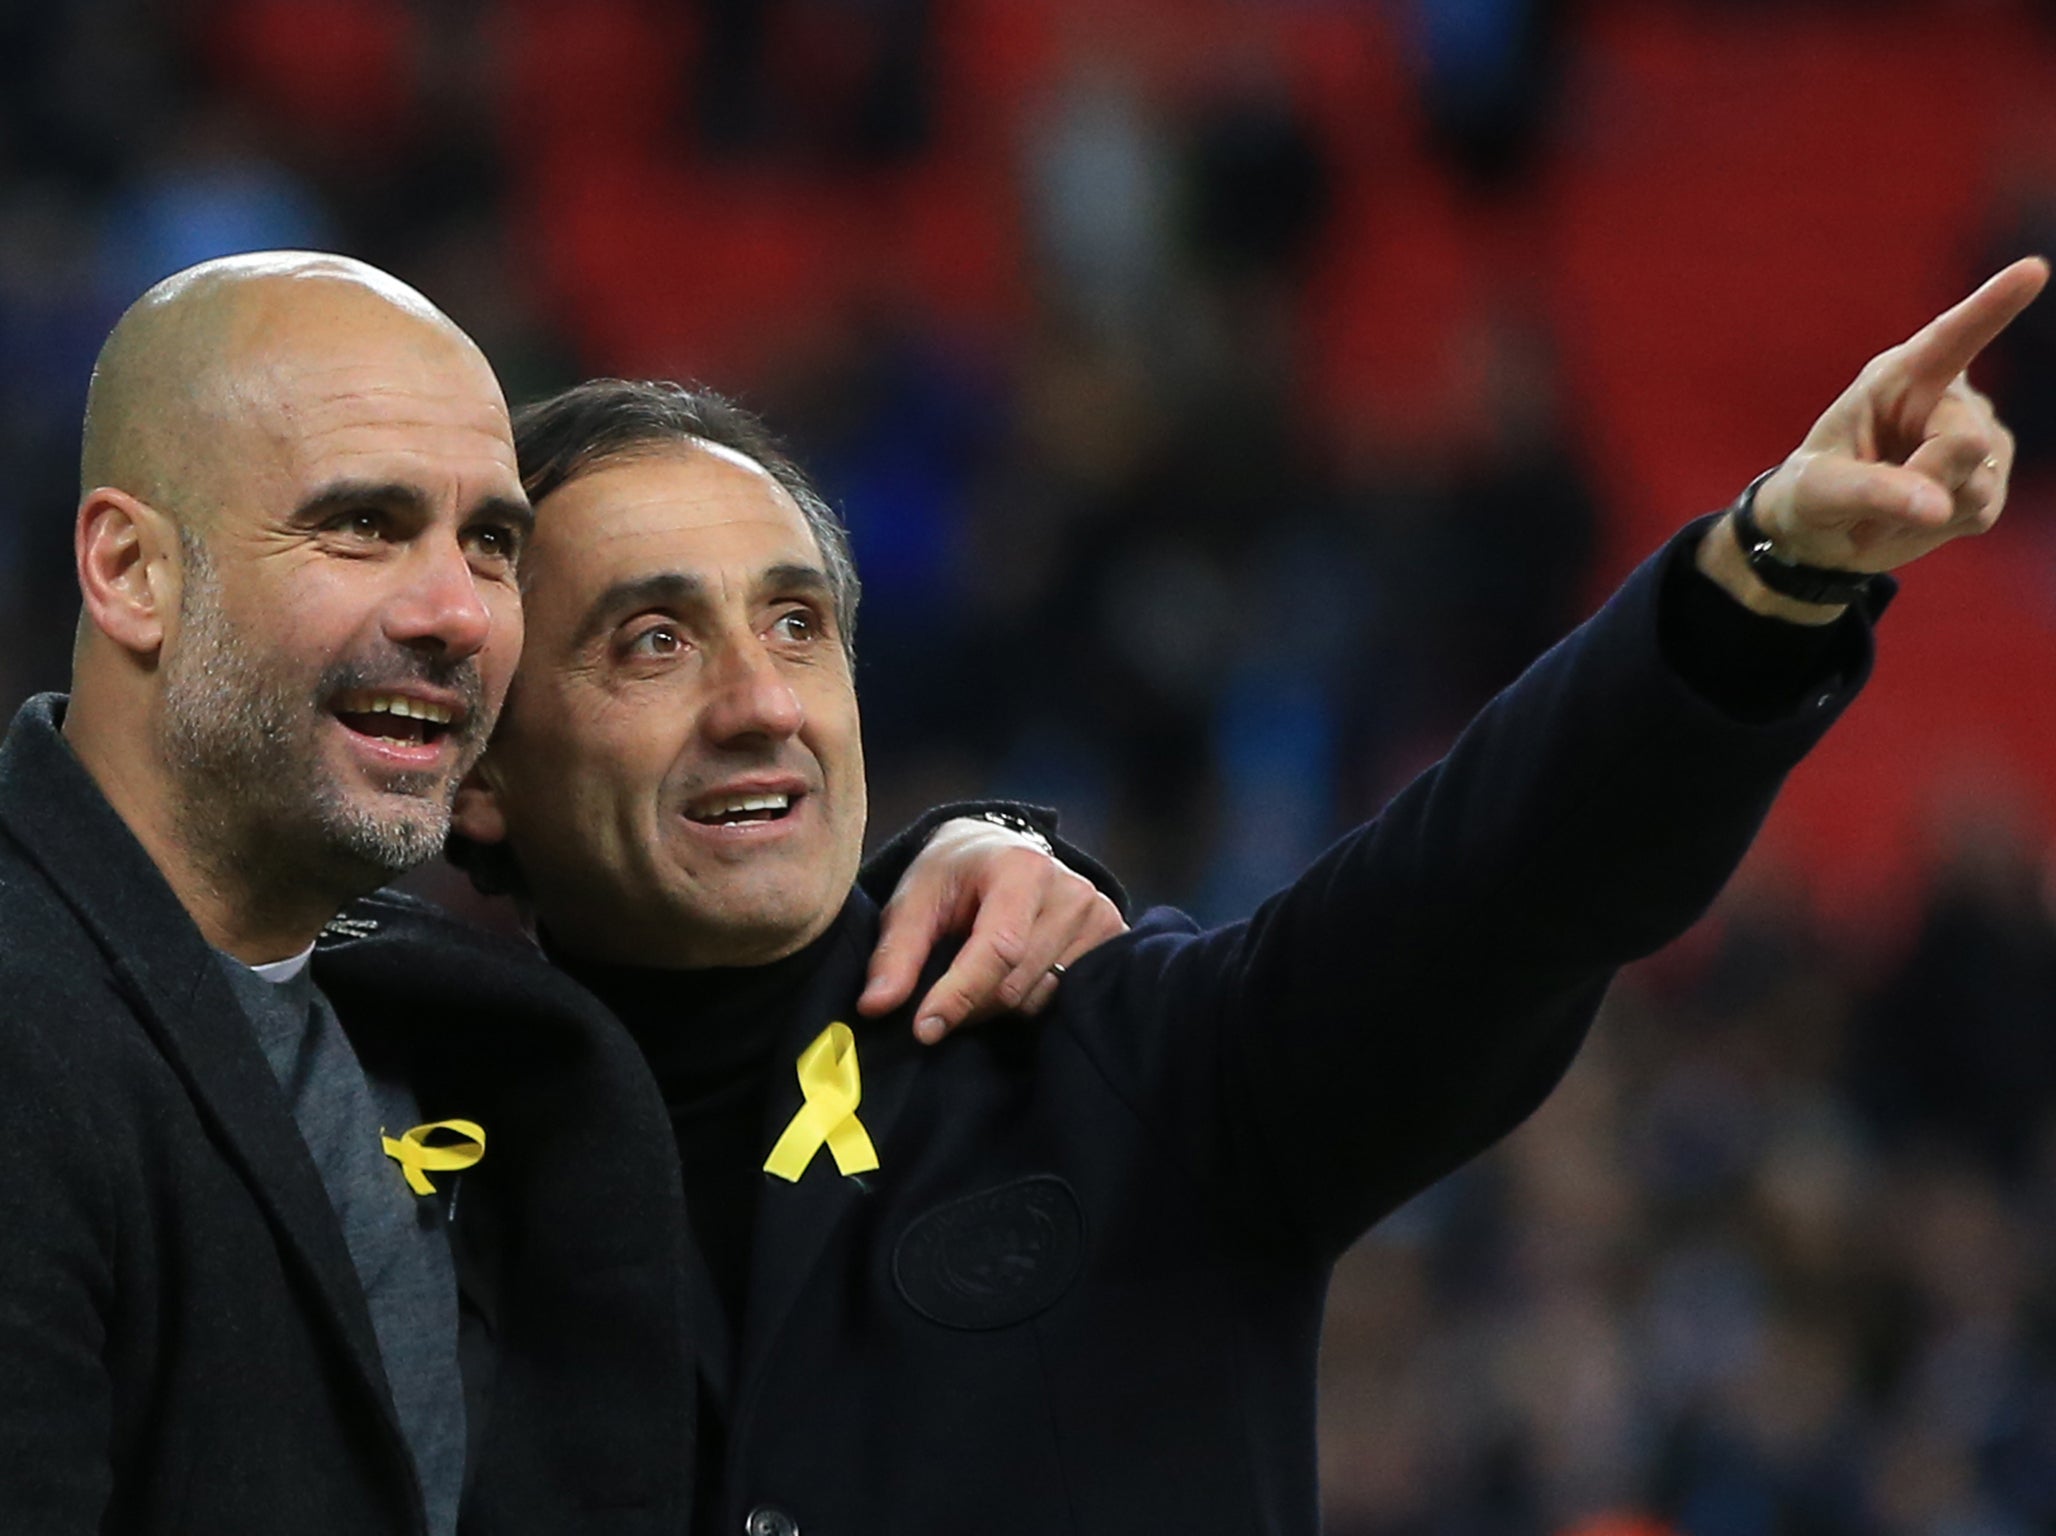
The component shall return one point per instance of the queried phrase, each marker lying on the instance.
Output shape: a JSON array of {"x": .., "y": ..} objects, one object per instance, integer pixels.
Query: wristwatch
[
  {"x": 1788, "y": 578},
  {"x": 1019, "y": 824}
]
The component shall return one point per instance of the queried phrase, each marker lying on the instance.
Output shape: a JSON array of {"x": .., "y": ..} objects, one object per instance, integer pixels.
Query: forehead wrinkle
[
  {"x": 403, "y": 376},
  {"x": 640, "y": 533},
  {"x": 334, "y": 423},
  {"x": 358, "y": 347},
  {"x": 631, "y": 515},
  {"x": 437, "y": 395},
  {"x": 363, "y": 423}
]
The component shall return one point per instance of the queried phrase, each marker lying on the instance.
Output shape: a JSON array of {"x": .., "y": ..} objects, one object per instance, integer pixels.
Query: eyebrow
[
  {"x": 664, "y": 589},
  {"x": 339, "y": 495},
  {"x": 680, "y": 590},
  {"x": 792, "y": 576}
]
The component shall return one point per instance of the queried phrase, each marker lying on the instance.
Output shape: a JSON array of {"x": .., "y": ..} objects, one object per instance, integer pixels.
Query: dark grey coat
[{"x": 184, "y": 1346}]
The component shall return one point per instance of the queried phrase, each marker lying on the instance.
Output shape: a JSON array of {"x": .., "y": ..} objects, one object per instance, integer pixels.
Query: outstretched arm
[{"x": 1420, "y": 990}]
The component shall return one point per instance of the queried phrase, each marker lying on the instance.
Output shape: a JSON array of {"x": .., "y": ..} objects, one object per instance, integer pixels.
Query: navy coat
[{"x": 1082, "y": 1292}]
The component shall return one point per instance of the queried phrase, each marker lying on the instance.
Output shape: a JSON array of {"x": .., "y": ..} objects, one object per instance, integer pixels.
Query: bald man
[{"x": 235, "y": 1251}]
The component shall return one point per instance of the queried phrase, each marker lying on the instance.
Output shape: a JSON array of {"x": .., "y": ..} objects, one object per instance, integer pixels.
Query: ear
[
  {"x": 128, "y": 568},
  {"x": 476, "y": 813}
]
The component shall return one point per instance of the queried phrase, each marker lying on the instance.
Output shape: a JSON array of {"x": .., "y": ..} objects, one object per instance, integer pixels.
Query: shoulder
[
  {"x": 1154, "y": 940},
  {"x": 55, "y": 981},
  {"x": 32, "y": 915},
  {"x": 393, "y": 922},
  {"x": 74, "y": 1060},
  {"x": 396, "y": 950}
]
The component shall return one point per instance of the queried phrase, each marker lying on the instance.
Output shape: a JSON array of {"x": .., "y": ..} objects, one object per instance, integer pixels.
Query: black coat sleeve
[
  {"x": 56, "y": 1289},
  {"x": 1421, "y": 988}
]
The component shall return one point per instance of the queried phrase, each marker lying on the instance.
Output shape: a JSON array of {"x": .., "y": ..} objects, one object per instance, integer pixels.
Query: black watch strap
[{"x": 1788, "y": 578}]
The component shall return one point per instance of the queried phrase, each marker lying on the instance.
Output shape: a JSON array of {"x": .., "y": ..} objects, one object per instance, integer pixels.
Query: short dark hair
[{"x": 604, "y": 421}]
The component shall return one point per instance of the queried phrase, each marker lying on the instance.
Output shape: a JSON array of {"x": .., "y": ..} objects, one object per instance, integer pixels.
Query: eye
[
  {"x": 798, "y": 624},
  {"x": 362, "y": 524},
  {"x": 658, "y": 641},
  {"x": 496, "y": 544}
]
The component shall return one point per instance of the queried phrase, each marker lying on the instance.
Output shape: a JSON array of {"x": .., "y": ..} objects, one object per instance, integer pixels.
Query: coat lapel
[
  {"x": 796, "y": 1221},
  {"x": 52, "y": 809},
  {"x": 570, "y": 1235}
]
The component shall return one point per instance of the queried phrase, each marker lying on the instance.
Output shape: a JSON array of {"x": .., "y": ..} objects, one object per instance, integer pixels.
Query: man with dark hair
[
  {"x": 238, "y": 1290},
  {"x": 605, "y": 419},
  {"x": 1070, "y": 1278}
]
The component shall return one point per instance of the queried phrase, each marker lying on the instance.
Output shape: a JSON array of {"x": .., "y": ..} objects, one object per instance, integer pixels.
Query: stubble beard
[{"x": 239, "y": 738}]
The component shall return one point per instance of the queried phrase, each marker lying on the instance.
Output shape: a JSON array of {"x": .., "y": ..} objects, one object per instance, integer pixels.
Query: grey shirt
[{"x": 396, "y": 1238}]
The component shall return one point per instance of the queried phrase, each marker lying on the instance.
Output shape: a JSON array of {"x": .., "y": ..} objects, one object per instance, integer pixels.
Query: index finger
[
  {"x": 999, "y": 937},
  {"x": 903, "y": 945},
  {"x": 1940, "y": 350}
]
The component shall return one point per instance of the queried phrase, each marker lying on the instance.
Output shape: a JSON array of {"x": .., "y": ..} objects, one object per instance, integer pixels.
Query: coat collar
[
  {"x": 63, "y": 824},
  {"x": 796, "y": 1221}
]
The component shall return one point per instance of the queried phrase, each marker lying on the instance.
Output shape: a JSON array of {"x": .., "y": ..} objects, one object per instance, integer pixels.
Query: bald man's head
[
  {"x": 193, "y": 359},
  {"x": 296, "y": 541}
]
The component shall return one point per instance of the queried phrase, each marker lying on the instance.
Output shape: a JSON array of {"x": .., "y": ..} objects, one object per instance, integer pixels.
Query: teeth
[
  {"x": 736, "y": 804},
  {"x": 393, "y": 704}
]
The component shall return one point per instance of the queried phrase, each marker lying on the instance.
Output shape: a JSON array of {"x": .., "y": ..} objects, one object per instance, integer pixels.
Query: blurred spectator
[
  {"x": 1099, "y": 193},
  {"x": 208, "y": 191},
  {"x": 828, "y": 80},
  {"x": 52, "y": 319},
  {"x": 1958, "y": 1049},
  {"x": 1258, "y": 188},
  {"x": 1489, "y": 72}
]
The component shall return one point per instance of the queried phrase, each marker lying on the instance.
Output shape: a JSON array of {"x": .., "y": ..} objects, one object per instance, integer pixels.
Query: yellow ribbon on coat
[
  {"x": 833, "y": 1089},
  {"x": 417, "y": 1159}
]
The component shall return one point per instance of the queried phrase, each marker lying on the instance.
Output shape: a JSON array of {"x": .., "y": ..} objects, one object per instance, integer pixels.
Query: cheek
[
  {"x": 602, "y": 769},
  {"x": 504, "y": 603},
  {"x": 335, "y": 598},
  {"x": 592, "y": 761},
  {"x": 503, "y": 644},
  {"x": 832, "y": 720},
  {"x": 569, "y": 802}
]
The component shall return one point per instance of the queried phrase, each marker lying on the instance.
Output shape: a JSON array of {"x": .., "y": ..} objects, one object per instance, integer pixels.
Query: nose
[
  {"x": 749, "y": 696},
  {"x": 440, "y": 606}
]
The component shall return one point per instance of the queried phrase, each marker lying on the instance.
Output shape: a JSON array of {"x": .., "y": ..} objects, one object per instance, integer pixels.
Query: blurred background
[{"x": 1226, "y": 396}]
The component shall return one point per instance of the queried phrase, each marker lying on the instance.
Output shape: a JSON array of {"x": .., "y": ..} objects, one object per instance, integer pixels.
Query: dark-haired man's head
[
  {"x": 679, "y": 777},
  {"x": 608, "y": 421}
]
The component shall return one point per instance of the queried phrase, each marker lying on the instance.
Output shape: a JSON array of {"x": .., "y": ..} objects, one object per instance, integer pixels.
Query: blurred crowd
[
  {"x": 1775, "y": 1259},
  {"x": 1136, "y": 543}
]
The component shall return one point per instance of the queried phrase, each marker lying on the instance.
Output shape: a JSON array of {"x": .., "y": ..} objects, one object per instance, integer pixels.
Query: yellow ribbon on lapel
[
  {"x": 829, "y": 1079},
  {"x": 417, "y": 1159}
]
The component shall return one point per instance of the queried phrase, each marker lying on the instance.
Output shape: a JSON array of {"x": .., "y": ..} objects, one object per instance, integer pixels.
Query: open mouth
[
  {"x": 741, "y": 809},
  {"x": 395, "y": 717}
]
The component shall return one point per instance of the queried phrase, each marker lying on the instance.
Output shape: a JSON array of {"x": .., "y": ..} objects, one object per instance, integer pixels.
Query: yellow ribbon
[
  {"x": 417, "y": 1159},
  {"x": 828, "y": 1078}
]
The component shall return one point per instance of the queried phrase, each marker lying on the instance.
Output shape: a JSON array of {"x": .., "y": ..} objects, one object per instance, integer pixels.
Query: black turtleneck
[
  {"x": 712, "y": 1038},
  {"x": 716, "y": 1040}
]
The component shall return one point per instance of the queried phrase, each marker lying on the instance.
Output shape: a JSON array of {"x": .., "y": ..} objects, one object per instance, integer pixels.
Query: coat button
[{"x": 769, "y": 1520}]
